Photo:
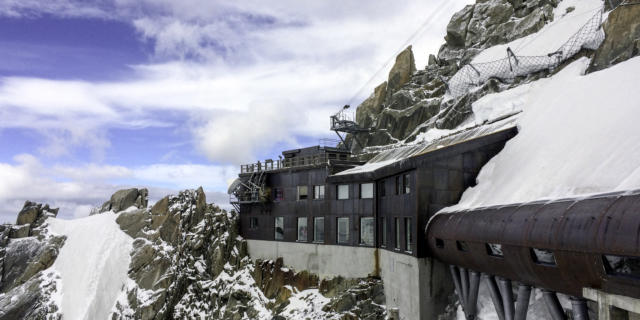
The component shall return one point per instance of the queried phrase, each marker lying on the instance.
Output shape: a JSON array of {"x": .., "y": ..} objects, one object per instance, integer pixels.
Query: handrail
[{"x": 270, "y": 165}]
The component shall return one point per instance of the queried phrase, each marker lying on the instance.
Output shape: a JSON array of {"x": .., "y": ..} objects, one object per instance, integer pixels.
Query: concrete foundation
[
  {"x": 417, "y": 288},
  {"x": 324, "y": 260},
  {"x": 613, "y": 307},
  {"x": 414, "y": 288}
]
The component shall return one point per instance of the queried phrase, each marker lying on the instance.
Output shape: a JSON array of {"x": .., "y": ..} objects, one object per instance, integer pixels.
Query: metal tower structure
[{"x": 345, "y": 122}]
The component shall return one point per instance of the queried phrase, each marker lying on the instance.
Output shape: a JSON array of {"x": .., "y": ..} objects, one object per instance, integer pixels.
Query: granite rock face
[
  {"x": 411, "y": 102},
  {"x": 622, "y": 40},
  {"x": 124, "y": 199},
  {"x": 188, "y": 260},
  {"x": 26, "y": 251}
]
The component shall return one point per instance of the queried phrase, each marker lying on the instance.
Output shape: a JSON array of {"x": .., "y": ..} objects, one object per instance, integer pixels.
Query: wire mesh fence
[{"x": 589, "y": 36}]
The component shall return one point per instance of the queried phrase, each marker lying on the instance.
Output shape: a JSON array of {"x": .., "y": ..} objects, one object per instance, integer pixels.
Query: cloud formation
[{"x": 239, "y": 78}]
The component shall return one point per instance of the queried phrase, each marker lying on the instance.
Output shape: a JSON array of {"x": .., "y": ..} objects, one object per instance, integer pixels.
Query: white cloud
[
  {"x": 224, "y": 59},
  {"x": 246, "y": 76},
  {"x": 77, "y": 189}
]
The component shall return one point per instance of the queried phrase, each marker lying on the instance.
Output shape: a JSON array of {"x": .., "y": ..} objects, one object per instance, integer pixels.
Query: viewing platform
[{"x": 299, "y": 158}]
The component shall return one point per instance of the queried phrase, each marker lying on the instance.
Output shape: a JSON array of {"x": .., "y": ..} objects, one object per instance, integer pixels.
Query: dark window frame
[
  {"x": 373, "y": 231},
  {"x": 275, "y": 227},
  {"x": 348, "y": 240},
  {"x": 301, "y": 197},
  {"x": 315, "y": 229},
  {"x": 306, "y": 232},
  {"x": 408, "y": 235}
]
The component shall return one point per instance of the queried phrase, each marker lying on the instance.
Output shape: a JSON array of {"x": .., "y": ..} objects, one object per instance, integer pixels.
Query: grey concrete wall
[
  {"x": 323, "y": 260},
  {"x": 418, "y": 287}
]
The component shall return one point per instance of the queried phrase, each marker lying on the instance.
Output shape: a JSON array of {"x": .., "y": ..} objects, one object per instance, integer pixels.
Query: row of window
[
  {"x": 367, "y": 230},
  {"x": 402, "y": 186},
  {"x": 408, "y": 234}
]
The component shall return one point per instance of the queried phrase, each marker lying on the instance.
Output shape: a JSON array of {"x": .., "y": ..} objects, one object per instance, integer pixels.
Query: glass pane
[
  {"x": 406, "y": 183},
  {"x": 494, "y": 249},
  {"x": 302, "y": 229},
  {"x": 279, "y": 226},
  {"x": 623, "y": 266},
  {"x": 302, "y": 192},
  {"x": 318, "y": 229},
  {"x": 343, "y": 191},
  {"x": 384, "y": 231},
  {"x": 408, "y": 234},
  {"x": 543, "y": 256},
  {"x": 367, "y": 228},
  {"x": 318, "y": 192},
  {"x": 366, "y": 190},
  {"x": 398, "y": 237},
  {"x": 343, "y": 230}
]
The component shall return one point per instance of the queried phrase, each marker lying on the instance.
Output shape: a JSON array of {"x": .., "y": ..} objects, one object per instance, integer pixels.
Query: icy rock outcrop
[
  {"x": 124, "y": 199},
  {"x": 26, "y": 251},
  {"x": 400, "y": 110},
  {"x": 622, "y": 40},
  {"x": 188, "y": 260}
]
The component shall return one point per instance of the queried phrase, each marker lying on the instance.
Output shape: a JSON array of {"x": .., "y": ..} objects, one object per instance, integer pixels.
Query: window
[
  {"x": 318, "y": 229},
  {"x": 253, "y": 223},
  {"x": 302, "y": 192},
  {"x": 318, "y": 192},
  {"x": 439, "y": 243},
  {"x": 302, "y": 229},
  {"x": 343, "y": 191},
  {"x": 494, "y": 250},
  {"x": 382, "y": 189},
  {"x": 366, "y": 191},
  {"x": 383, "y": 223},
  {"x": 279, "y": 227},
  {"x": 408, "y": 239},
  {"x": 398, "y": 236},
  {"x": 278, "y": 195},
  {"x": 543, "y": 256},
  {"x": 367, "y": 231},
  {"x": 406, "y": 183},
  {"x": 621, "y": 266},
  {"x": 397, "y": 184},
  {"x": 462, "y": 246},
  {"x": 343, "y": 230}
]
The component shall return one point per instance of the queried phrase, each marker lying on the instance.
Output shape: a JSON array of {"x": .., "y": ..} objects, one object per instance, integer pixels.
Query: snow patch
[
  {"x": 92, "y": 265},
  {"x": 578, "y": 135}
]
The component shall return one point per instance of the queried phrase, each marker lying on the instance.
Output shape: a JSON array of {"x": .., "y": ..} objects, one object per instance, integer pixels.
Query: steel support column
[
  {"x": 579, "y": 309},
  {"x": 553, "y": 305}
]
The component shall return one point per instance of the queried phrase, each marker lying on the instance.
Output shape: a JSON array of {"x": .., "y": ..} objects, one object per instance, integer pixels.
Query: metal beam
[
  {"x": 506, "y": 290},
  {"x": 495, "y": 296},
  {"x": 553, "y": 305},
  {"x": 579, "y": 309},
  {"x": 524, "y": 294}
]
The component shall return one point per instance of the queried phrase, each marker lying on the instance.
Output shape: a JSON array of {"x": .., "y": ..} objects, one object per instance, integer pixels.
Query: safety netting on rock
[{"x": 589, "y": 36}]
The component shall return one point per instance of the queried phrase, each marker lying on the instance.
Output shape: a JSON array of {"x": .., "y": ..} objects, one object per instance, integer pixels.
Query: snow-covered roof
[{"x": 396, "y": 154}]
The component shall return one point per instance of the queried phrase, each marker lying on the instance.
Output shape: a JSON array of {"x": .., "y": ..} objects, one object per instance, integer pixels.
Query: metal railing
[{"x": 270, "y": 165}]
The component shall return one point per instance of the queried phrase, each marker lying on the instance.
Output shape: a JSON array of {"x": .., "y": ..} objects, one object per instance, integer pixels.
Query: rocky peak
[
  {"x": 411, "y": 101},
  {"x": 622, "y": 40},
  {"x": 123, "y": 199}
]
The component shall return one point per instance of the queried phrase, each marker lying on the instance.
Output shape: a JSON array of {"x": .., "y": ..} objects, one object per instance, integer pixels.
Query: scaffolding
[{"x": 345, "y": 122}]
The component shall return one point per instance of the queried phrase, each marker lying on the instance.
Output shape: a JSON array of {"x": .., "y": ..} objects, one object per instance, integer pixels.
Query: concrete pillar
[{"x": 612, "y": 306}]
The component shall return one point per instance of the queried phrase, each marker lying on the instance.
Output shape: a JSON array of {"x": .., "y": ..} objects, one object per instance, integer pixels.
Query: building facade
[{"x": 322, "y": 211}]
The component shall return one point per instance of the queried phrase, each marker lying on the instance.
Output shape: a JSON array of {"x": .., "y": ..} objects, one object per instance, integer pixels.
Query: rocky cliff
[
  {"x": 413, "y": 102},
  {"x": 187, "y": 262}
]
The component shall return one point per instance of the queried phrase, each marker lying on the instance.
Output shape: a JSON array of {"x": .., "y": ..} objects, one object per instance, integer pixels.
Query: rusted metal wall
[{"x": 579, "y": 233}]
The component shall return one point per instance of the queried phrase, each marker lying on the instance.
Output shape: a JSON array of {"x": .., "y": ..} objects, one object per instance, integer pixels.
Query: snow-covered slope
[
  {"x": 569, "y": 17},
  {"x": 578, "y": 135},
  {"x": 92, "y": 265}
]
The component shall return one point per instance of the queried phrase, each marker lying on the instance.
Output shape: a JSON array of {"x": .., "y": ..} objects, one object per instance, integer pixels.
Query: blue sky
[{"x": 97, "y": 96}]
